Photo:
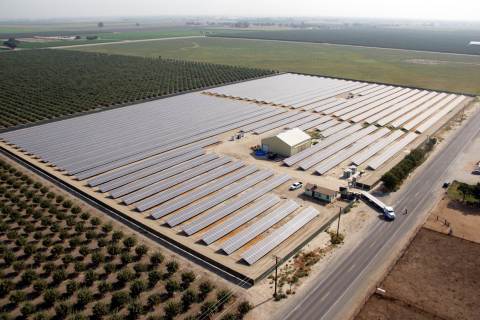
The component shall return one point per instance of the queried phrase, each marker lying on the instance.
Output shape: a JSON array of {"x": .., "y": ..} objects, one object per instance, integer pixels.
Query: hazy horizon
[{"x": 461, "y": 10}]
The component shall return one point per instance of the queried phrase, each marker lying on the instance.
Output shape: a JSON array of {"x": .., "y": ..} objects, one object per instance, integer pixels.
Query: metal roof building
[{"x": 287, "y": 143}]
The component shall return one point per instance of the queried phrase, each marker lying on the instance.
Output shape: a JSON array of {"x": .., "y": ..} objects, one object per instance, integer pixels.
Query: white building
[{"x": 287, "y": 143}]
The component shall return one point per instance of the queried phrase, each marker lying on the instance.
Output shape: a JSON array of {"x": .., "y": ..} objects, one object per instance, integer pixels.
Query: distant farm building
[{"x": 287, "y": 143}]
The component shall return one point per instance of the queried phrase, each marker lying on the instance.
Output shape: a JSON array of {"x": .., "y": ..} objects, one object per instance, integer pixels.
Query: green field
[{"x": 458, "y": 73}]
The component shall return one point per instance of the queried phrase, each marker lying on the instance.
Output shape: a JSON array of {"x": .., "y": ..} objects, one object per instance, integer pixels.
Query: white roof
[{"x": 293, "y": 136}]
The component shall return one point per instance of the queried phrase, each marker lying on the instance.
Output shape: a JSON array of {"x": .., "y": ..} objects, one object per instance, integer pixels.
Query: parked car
[
  {"x": 445, "y": 185},
  {"x": 296, "y": 185}
]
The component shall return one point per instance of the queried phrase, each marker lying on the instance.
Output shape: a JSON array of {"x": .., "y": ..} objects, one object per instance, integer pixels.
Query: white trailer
[{"x": 388, "y": 212}]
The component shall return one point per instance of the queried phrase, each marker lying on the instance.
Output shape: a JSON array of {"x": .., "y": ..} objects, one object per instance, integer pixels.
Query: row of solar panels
[
  {"x": 189, "y": 184},
  {"x": 89, "y": 145},
  {"x": 355, "y": 143},
  {"x": 345, "y": 100},
  {"x": 295, "y": 91}
]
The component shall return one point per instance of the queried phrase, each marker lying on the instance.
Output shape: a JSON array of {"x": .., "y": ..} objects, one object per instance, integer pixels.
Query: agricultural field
[
  {"x": 437, "y": 71},
  {"x": 56, "y": 83},
  {"x": 450, "y": 41},
  {"x": 436, "y": 278},
  {"x": 109, "y": 37},
  {"x": 58, "y": 259}
]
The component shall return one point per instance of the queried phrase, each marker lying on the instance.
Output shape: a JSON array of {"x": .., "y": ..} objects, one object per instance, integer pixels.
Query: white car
[{"x": 296, "y": 185}]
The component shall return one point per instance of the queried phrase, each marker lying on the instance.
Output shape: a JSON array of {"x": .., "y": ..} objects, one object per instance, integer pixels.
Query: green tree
[
  {"x": 99, "y": 310},
  {"x": 50, "y": 296},
  {"x": 243, "y": 308},
  {"x": 187, "y": 278},
  {"x": 205, "y": 288},
  {"x": 172, "y": 309},
  {"x": 27, "y": 309},
  {"x": 137, "y": 287},
  {"x": 119, "y": 299},
  {"x": 171, "y": 286},
  {"x": 223, "y": 297},
  {"x": 208, "y": 309},
  {"x": 134, "y": 310},
  {"x": 153, "y": 277},
  {"x": 188, "y": 298},
  {"x": 84, "y": 297},
  {"x": 141, "y": 250},
  {"x": 172, "y": 267},
  {"x": 156, "y": 258}
]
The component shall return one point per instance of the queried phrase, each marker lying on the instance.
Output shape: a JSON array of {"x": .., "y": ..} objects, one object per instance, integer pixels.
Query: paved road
[{"x": 335, "y": 289}]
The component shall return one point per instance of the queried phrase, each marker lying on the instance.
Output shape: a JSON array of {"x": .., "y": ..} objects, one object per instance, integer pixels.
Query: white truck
[{"x": 388, "y": 212}]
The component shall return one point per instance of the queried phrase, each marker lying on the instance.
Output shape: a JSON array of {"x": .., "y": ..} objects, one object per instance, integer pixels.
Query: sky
[{"x": 410, "y": 9}]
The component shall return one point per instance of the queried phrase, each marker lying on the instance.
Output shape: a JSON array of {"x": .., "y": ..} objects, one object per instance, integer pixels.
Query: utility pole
[
  {"x": 276, "y": 267},
  {"x": 339, "y": 215}
]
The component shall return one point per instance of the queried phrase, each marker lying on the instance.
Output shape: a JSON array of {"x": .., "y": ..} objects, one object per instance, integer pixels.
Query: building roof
[
  {"x": 322, "y": 190},
  {"x": 293, "y": 137}
]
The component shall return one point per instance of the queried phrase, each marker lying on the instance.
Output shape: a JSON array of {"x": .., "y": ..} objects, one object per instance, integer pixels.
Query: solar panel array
[
  {"x": 152, "y": 156},
  {"x": 345, "y": 154},
  {"x": 376, "y": 162},
  {"x": 375, "y": 148},
  {"x": 151, "y": 128},
  {"x": 279, "y": 235},
  {"x": 242, "y": 238},
  {"x": 235, "y": 204},
  {"x": 240, "y": 219}
]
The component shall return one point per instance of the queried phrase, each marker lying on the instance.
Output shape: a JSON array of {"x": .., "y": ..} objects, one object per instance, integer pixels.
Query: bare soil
[
  {"x": 436, "y": 278},
  {"x": 457, "y": 219}
]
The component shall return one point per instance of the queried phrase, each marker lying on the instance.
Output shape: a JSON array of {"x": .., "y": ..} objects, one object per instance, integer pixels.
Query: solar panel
[
  {"x": 321, "y": 145},
  {"x": 332, "y": 149},
  {"x": 177, "y": 164},
  {"x": 379, "y": 104},
  {"x": 376, "y": 147},
  {"x": 278, "y": 117},
  {"x": 241, "y": 218},
  {"x": 165, "y": 184},
  {"x": 330, "y": 92},
  {"x": 140, "y": 156},
  {"x": 135, "y": 167},
  {"x": 263, "y": 247},
  {"x": 280, "y": 123},
  {"x": 344, "y": 154},
  {"x": 421, "y": 117},
  {"x": 131, "y": 184},
  {"x": 326, "y": 125},
  {"x": 332, "y": 130},
  {"x": 190, "y": 212},
  {"x": 400, "y": 109},
  {"x": 187, "y": 186},
  {"x": 381, "y": 97},
  {"x": 347, "y": 105},
  {"x": 417, "y": 110},
  {"x": 171, "y": 141},
  {"x": 437, "y": 116},
  {"x": 258, "y": 227},
  {"x": 314, "y": 123},
  {"x": 297, "y": 123},
  {"x": 340, "y": 101},
  {"x": 376, "y": 162},
  {"x": 244, "y": 199},
  {"x": 199, "y": 193}
]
